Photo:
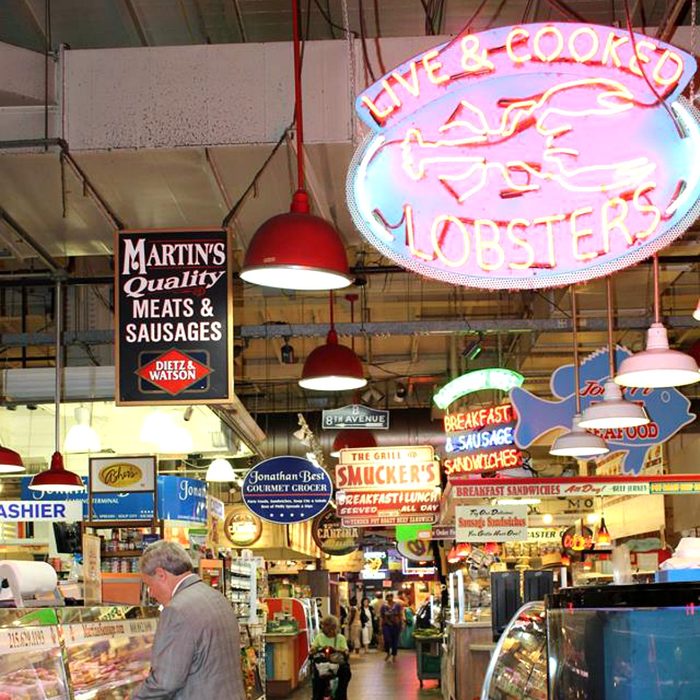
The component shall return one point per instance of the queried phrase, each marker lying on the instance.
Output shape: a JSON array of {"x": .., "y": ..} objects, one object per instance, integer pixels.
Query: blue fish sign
[{"x": 668, "y": 410}]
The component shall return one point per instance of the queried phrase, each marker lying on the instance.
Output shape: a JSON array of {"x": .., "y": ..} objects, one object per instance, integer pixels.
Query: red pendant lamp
[
  {"x": 297, "y": 250},
  {"x": 349, "y": 439},
  {"x": 10, "y": 461},
  {"x": 57, "y": 478},
  {"x": 332, "y": 367}
]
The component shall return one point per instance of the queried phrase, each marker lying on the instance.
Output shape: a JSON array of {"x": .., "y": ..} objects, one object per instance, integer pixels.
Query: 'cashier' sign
[{"x": 19, "y": 511}]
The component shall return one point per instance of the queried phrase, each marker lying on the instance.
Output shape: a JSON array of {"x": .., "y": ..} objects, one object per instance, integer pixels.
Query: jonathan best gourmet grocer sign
[{"x": 174, "y": 317}]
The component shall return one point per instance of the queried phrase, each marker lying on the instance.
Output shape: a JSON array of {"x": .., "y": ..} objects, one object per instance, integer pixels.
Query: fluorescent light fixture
[
  {"x": 613, "y": 411},
  {"x": 658, "y": 366},
  {"x": 220, "y": 470},
  {"x": 518, "y": 501},
  {"x": 479, "y": 380},
  {"x": 578, "y": 443}
]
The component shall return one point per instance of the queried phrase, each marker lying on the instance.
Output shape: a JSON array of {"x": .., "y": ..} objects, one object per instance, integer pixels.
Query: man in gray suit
[{"x": 196, "y": 650}]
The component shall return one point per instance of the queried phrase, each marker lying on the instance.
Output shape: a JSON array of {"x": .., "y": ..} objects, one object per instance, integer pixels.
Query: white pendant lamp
[
  {"x": 613, "y": 411},
  {"x": 658, "y": 366},
  {"x": 577, "y": 442},
  {"x": 220, "y": 470},
  {"x": 696, "y": 313},
  {"x": 82, "y": 437}
]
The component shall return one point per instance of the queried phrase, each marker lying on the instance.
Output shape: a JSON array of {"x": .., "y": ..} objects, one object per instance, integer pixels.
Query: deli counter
[{"x": 74, "y": 652}]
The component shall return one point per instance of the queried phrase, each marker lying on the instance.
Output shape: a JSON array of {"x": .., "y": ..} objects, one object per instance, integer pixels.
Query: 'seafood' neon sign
[
  {"x": 478, "y": 380},
  {"x": 528, "y": 156}
]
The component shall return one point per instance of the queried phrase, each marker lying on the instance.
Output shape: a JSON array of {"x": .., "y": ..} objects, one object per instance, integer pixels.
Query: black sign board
[
  {"x": 330, "y": 535},
  {"x": 356, "y": 416},
  {"x": 174, "y": 317}
]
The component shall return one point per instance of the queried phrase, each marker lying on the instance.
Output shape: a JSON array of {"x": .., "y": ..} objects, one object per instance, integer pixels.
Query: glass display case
[
  {"x": 518, "y": 667},
  {"x": 624, "y": 642}
]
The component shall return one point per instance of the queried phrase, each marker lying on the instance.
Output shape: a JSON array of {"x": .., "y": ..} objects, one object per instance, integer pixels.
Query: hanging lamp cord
[
  {"x": 574, "y": 319},
  {"x": 330, "y": 301},
  {"x": 657, "y": 299},
  {"x": 58, "y": 318},
  {"x": 298, "y": 112},
  {"x": 611, "y": 347}
]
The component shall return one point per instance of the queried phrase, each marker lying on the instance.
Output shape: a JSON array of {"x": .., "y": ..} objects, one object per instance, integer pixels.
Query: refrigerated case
[
  {"x": 77, "y": 653},
  {"x": 625, "y": 642},
  {"x": 518, "y": 667}
]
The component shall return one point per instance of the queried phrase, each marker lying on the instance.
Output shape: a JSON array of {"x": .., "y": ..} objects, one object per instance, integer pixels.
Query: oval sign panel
[
  {"x": 331, "y": 537},
  {"x": 287, "y": 490},
  {"x": 121, "y": 475},
  {"x": 528, "y": 156}
]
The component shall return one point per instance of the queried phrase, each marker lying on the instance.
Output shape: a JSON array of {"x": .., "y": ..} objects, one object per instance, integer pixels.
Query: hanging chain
[
  {"x": 351, "y": 72},
  {"x": 693, "y": 17}
]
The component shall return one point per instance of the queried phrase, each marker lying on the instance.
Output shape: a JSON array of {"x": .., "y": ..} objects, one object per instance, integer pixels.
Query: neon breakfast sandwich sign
[{"x": 529, "y": 156}]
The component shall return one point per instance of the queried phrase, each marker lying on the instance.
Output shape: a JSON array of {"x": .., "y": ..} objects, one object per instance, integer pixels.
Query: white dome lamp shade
[
  {"x": 577, "y": 442},
  {"x": 658, "y": 366},
  {"x": 82, "y": 437},
  {"x": 220, "y": 470},
  {"x": 613, "y": 412}
]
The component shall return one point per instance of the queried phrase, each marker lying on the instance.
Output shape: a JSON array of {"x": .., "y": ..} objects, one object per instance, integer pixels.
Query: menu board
[
  {"x": 107, "y": 660},
  {"x": 30, "y": 664}
]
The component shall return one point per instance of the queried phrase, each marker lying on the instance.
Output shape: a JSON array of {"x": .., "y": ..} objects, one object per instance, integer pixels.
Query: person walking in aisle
[
  {"x": 376, "y": 606},
  {"x": 391, "y": 627},
  {"x": 367, "y": 622},
  {"x": 355, "y": 626},
  {"x": 197, "y": 643}
]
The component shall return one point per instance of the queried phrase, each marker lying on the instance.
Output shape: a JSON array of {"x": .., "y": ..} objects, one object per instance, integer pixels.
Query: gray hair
[
  {"x": 165, "y": 555},
  {"x": 330, "y": 620}
]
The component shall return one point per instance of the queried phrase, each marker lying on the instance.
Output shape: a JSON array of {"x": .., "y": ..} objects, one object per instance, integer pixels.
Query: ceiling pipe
[{"x": 394, "y": 328}]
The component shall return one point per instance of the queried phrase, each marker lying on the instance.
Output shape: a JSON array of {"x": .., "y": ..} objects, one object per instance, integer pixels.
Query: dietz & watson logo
[{"x": 528, "y": 156}]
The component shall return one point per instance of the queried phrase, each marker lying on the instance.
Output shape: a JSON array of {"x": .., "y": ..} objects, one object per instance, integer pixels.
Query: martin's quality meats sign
[
  {"x": 380, "y": 486},
  {"x": 174, "y": 315},
  {"x": 528, "y": 156}
]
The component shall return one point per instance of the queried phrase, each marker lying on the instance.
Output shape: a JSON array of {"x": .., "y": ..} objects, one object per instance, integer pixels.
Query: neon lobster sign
[{"x": 529, "y": 156}]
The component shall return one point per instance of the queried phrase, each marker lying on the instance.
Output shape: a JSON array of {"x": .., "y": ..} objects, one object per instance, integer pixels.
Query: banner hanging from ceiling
[
  {"x": 174, "y": 317},
  {"x": 528, "y": 156},
  {"x": 667, "y": 408},
  {"x": 380, "y": 486}
]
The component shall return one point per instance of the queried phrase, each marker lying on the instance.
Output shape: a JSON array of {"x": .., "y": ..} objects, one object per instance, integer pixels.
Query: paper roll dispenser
[{"x": 22, "y": 581}]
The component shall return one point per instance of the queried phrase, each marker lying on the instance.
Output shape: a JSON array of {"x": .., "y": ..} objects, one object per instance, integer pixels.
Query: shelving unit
[
  {"x": 245, "y": 582},
  {"x": 121, "y": 582}
]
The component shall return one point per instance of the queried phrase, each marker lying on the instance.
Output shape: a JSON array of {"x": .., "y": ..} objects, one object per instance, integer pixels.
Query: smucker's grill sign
[{"x": 174, "y": 317}]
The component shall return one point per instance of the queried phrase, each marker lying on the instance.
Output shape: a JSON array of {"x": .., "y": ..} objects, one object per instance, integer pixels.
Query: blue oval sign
[
  {"x": 287, "y": 490},
  {"x": 529, "y": 156}
]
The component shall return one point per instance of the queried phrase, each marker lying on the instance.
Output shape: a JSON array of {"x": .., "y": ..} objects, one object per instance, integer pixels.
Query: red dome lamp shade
[
  {"x": 10, "y": 461},
  {"x": 453, "y": 555},
  {"x": 352, "y": 439},
  {"x": 332, "y": 367},
  {"x": 297, "y": 250},
  {"x": 57, "y": 478}
]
